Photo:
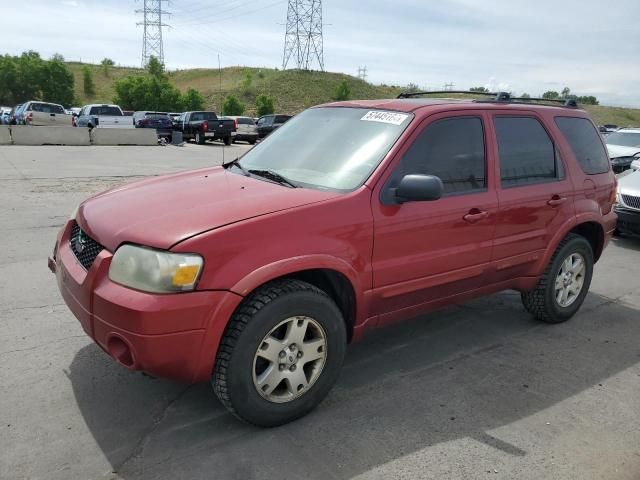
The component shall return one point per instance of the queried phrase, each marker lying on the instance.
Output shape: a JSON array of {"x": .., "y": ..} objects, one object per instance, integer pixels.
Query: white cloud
[{"x": 70, "y": 3}]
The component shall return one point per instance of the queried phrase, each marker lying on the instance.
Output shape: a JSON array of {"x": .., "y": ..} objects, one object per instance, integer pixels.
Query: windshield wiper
[
  {"x": 274, "y": 177},
  {"x": 236, "y": 163}
]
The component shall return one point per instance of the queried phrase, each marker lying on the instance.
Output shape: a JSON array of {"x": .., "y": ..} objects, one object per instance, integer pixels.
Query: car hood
[
  {"x": 162, "y": 211},
  {"x": 629, "y": 184},
  {"x": 617, "y": 151}
]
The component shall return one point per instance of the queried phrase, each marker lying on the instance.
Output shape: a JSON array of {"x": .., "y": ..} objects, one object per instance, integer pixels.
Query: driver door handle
[
  {"x": 475, "y": 215},
  {"x": 556, "y": 201}
]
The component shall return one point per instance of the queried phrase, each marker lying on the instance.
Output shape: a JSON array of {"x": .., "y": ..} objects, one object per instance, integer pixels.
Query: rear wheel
[
  {"x": 564, "y": 284},
  {"x": 227, "y": 141},
  {"x": 281, "y": 353},
  {"x": 199, "y": 138}
]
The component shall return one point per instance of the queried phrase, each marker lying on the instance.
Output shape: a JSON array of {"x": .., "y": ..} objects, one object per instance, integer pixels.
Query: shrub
[
  {"x": 342, "y": 92},
  {"x": 87, "y": 82},
  {"x": 232, "y": 106},
  {"x": 265, "y": 105}
]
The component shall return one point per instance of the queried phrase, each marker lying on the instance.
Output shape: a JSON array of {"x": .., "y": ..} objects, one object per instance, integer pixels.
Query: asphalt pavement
[{"x": 479, "y": 390}]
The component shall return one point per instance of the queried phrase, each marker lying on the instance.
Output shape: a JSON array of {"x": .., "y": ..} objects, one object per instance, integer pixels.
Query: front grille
[
  {"x": 631, "y": 201},
  {"x": 85, "y": 248}
]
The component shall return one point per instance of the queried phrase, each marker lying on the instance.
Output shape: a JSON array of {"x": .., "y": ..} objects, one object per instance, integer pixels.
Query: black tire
[
  {"x": 617, "y": 233},
  {"x": 227, "y": 141},
  {"x": 253, "y": 141},
  {"x": 258, "y": 314},
  {"x": 199, "y": 139},
  {"x": 541, "y": 302}
]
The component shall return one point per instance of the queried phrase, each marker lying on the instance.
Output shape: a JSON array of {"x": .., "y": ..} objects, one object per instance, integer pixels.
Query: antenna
[
  {"x": 303, "y": 39},
  {"x": 152, "y": 45}
]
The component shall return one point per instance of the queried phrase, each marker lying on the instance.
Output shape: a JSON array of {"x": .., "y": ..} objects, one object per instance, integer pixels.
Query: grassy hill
[{"x": 293, "y": 90}]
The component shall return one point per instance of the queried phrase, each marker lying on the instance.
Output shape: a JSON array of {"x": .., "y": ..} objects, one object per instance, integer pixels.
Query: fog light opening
[{"x": 119, "y": 350}]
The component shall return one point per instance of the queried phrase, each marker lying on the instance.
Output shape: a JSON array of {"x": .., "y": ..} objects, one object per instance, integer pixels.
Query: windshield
[
  {"x": 329, "y": 148},
  {"x": 625, "y": 139},
  {"x": 106, "y": 110}
]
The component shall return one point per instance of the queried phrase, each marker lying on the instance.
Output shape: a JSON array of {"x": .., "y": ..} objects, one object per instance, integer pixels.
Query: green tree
[
  {"x": 147, "y": 93},
  {"x": 57, "y": 83},
  {"x": 342, "y": 91},
  {"x": 87, "y": 82},
  {"x": 479, "y": 89},
  {"x": 155, "y": 67},
  {"x": 566, "y": 92},
  {"x": 192, "y": 100},
  {"x": 247, "y": 89},
  {"x": 106, "y": 64},
  {"x": 265, "y": 105},
  {"x": 551, "y": 95},
  {"x": 232, "y": 106},
  {"x": 412, "y": 88}
]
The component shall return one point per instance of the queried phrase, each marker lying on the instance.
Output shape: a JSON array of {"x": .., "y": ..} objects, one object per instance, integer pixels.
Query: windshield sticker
[{"x": 393, "y": 118}]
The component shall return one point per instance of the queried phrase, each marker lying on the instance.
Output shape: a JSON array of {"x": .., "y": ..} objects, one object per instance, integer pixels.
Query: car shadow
[
  {"x": 458, "y": 373},
  {"x": 628, "y": 242}
]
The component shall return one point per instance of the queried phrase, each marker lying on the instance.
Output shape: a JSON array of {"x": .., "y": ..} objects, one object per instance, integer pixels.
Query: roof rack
[{"x": 498, "y": 97}]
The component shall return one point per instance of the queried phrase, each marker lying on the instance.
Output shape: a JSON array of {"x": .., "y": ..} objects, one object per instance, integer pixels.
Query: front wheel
[
  {"x": 281, "y": 353},
  {"x": 564, "y": 284}
]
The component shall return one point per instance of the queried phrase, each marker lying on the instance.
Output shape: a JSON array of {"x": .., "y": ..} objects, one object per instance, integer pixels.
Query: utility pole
[
  {"x": 152, "y": 24},
  {"x": 303, "y": 39},
  {"x": 362, "y": 73},
  {"x": 449, "y": 86}
]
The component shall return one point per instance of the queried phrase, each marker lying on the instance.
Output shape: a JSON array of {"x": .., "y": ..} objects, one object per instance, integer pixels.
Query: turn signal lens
[{"x": 186, "y": 275}]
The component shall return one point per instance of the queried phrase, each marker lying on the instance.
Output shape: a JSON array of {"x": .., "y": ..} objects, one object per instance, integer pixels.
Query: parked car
[
  {"x": 160, "y": 121},
  {"x": 15, "y": 117},
  {"x": 254, "y": 276},
  {"x": 175, "y": 116},
  {"x": 203, "y": 126},
  {"x": 5, "y": 112},
  {"x": 608, "y": 128},
  {"x": 270, "y": 123},
  {"x": 36, "y": 113},
  {"x": 624, "y": 148},
  {"x": 628, "y": 204},
  {"x": 103, "y": 116},
  {"x": 246, "y": 130}
]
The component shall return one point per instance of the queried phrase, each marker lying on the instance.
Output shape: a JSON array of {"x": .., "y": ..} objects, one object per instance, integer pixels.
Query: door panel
[
  {"x": 425, "y": 251},
  {"x": 535, "y": 195}
]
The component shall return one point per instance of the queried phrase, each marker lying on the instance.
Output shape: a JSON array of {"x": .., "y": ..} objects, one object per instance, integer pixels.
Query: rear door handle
[
  {"x": 556, "y": 201},
  {"x": 475, "y": 215}
]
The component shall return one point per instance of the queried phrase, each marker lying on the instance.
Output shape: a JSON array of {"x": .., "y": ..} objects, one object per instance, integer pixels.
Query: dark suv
[
  {"x": 256, "y": 275},
  {"x": 269, "y": 123}
]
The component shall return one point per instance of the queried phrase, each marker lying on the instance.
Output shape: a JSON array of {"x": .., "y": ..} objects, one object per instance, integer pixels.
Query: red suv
[{"x": 256, "y": 275}]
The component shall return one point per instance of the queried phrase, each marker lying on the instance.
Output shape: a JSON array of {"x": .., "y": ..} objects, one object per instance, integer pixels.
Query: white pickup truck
[
  {"x": 103, "y": 116},
  {"x": 45, "y": 114}
]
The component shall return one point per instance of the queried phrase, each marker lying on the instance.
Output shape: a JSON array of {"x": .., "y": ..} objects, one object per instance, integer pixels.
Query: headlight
[{"x": 155, "y": 271}]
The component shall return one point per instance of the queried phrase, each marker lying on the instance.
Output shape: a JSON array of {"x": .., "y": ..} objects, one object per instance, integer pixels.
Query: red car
[{"x": 256, "y": 275}]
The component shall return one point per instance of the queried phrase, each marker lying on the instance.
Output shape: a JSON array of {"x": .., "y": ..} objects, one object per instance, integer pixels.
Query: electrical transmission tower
[
  {"x": 152, "y": 14},
  {"x": 362, "y": 73},
  {"x": 303, "y": 40}
]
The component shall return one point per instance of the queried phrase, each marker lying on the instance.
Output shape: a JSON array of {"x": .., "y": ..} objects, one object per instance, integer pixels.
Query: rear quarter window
[{"x": 585, "y": 143}]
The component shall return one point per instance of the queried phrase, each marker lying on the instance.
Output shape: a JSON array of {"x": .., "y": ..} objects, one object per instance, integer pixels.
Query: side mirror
[{"x": 419, "y": 188}]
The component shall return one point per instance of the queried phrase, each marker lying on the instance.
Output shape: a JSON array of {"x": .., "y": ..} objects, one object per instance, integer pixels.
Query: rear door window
[
  {"x": 527, "y": 154},
  {"x": 585, "y": 143}
]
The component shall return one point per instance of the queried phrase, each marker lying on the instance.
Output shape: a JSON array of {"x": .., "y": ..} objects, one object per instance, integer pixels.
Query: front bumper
[
  {"x": 628, "y": 220},
  {"x": 171, "y": 336}
]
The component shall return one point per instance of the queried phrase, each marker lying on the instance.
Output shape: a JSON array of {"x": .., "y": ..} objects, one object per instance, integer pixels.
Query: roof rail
[{"x": 498, "y": 97}]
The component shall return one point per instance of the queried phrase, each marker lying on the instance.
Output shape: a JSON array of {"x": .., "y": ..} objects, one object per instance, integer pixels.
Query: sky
[{"x": 529, "y": 46}]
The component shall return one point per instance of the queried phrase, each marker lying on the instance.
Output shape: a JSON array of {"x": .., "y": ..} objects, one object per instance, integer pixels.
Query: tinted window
[
  {"x": 246, "y": 121},
  {"x": 106, "y": 110},
  {"x": 452, "y": 149},
  {"x": 282, "y": 118},
  {"x": 585, "y": 143},
  {"x": 527, "y": 154}
]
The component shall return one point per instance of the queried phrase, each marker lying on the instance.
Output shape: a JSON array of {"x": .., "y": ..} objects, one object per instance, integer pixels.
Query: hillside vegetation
[{"x": 292, "y": 90}]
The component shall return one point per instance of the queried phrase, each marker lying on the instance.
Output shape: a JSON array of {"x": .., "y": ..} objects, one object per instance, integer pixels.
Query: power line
[
  {"x": 152, "y": 45},
  {"x": 449, "y": 86},
  {"x": 303, "y": 38}
]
